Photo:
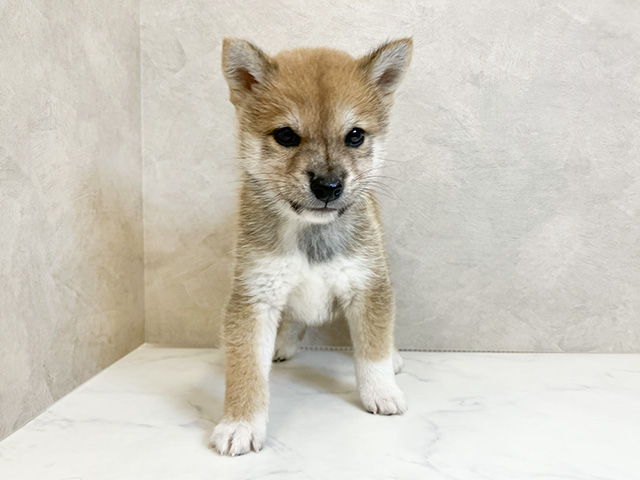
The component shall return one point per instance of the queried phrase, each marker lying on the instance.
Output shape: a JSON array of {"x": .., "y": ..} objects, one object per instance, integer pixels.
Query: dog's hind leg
[{"x": 290, "y": 335}]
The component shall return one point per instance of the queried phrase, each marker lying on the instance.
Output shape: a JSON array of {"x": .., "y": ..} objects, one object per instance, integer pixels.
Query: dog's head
[{"x": 312, "y": 122}]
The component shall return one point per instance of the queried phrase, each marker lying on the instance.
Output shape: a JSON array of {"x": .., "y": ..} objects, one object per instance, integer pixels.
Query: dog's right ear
[{"x": 245, "y": 67}]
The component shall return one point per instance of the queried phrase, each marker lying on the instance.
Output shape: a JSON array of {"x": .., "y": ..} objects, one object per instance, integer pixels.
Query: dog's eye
[
  {"x": 286, "y": 137},
  {"x": 354, "y": 138}
]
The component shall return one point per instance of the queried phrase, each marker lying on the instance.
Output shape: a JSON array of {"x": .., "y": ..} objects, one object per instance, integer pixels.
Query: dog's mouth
[
  {"x": 326, "y": 210},
  {"x": 299, "y": 208}
]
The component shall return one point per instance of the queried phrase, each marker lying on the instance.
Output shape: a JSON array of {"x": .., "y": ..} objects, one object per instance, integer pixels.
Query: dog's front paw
[
  {"x": 238, "y": 437},
  {"x": 378, "y": 389},
  {"x": 387, "y": 400}
]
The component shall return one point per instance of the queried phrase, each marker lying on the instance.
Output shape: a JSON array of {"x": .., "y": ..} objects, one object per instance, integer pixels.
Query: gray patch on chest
[{"x": 320, "y": 243}]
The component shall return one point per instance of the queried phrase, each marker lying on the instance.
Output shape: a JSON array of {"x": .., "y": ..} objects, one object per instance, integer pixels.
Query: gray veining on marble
[
  {"x": 71, "y": 260},
  {"x": 513, "y": 221},
  {"x": 471, "y": 416}
]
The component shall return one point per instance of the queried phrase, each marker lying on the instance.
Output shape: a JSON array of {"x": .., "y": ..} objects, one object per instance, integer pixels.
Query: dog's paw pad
[{"x": 237, "y": 437}]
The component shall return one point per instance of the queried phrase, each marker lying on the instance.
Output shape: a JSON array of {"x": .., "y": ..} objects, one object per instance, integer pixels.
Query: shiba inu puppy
[{"x": 312, "y": 124}]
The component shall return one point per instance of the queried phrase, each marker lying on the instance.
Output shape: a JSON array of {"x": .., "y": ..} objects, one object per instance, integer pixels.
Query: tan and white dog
[{"x": 310, "y": 245}]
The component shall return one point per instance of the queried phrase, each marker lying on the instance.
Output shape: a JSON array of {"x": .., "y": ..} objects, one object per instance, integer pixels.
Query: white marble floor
[{"x": 471, "y": 416}]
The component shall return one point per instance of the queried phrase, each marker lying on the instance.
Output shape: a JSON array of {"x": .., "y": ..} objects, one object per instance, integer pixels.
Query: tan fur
[
  {"x": 245, "y": 395},
  {"x": 321, "y": 94}
]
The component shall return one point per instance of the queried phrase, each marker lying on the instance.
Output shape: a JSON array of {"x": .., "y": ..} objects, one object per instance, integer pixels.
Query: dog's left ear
[{"x": 386, "y": 65}]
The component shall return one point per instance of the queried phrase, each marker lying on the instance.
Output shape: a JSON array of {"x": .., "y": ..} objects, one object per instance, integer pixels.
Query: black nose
[{"x": 326, "y": 188}]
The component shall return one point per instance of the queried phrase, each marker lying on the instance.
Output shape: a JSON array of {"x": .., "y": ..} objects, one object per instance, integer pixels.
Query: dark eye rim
[
  {"x": 280, "y": 136},
  {"x": 359, "y": 133}
]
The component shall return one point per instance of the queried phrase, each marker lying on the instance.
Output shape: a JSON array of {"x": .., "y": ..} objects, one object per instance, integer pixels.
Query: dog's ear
[
  {"x": 245, "y": 67},
  {"x": 385, "y": 66}
]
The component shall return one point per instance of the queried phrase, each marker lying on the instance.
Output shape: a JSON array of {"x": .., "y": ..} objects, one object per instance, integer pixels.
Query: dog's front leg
[
  {"x": 371, "y": 318},
  {"x": 249, "y": 334}
]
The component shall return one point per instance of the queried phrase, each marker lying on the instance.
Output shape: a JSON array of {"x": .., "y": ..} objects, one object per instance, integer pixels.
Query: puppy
[{"x": 311, "y": 126}]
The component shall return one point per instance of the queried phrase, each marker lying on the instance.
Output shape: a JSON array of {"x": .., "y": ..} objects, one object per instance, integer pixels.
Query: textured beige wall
[
  {"x": 513, "y": 158},
  {"x": 71, "y": 268}
]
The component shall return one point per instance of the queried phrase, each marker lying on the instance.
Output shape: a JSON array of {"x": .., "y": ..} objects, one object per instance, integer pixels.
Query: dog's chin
[{"x": 318, "y": 215}]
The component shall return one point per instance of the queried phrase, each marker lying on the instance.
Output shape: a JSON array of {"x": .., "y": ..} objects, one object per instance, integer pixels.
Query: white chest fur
[{"x": 308, "y": 290}]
